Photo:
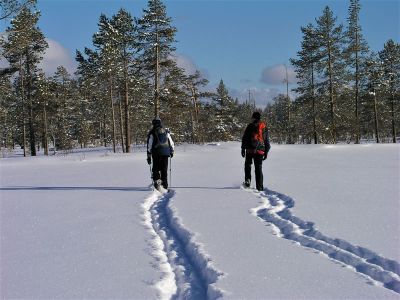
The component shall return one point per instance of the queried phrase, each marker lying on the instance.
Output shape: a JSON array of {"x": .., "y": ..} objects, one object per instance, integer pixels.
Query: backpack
[
  {"x": 257, "y": 138},
  {"x": 161, "y": 143}
]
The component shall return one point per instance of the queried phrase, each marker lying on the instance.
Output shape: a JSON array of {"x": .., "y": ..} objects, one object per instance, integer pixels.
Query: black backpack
[{"x": 161, "y": 143}]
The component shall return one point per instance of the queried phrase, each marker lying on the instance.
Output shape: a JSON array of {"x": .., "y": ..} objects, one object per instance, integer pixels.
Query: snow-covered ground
[{"x": 87, "y": 225}]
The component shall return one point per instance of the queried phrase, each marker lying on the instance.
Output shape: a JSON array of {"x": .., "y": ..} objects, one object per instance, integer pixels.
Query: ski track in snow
[
  {"x": 188, "y": 271},
  {"x": 275, "y": 210}
]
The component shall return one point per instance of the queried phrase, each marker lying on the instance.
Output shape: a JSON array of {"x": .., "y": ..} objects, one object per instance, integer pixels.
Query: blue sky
[{"x": 233, "y": 40}]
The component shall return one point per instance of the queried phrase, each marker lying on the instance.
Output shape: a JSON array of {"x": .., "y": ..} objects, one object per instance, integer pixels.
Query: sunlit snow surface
[{"x": 87, "y": 225}]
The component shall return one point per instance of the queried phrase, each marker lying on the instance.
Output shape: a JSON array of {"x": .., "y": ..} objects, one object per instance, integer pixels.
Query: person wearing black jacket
[
  {"x": 255, "y": 147},
  {"x": 159, "y": 148}
]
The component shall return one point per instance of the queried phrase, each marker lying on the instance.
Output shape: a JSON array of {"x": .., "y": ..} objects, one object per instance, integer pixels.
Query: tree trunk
[
  {"x": 393, "y": 120},
  {"x": 358, "y": 133},
  {"x": 45, "y": 132},
  {"x": 30, "y": 102},
  {"x": 376, "y": 118},
  {"x": 127, "y": 126},
  {"x": 104, "y": 130},
  {"x": 331, "y": 97},
  {"x": 313, "y": 106},
  {"x": 121, "y": 123},
  {"x": 156, "y": 83},
  {"x": 23, "y": 108},
  {"x": 112, "y": 113}
]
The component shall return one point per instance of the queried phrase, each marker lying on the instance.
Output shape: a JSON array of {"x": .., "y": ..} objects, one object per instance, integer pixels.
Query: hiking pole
[
  {"x": 170, "y": 171},
  {"x": 151, "y": 176}
]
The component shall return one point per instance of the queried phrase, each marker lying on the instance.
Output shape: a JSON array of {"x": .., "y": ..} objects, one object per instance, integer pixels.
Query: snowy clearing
[{"x": 88, "y": 225}]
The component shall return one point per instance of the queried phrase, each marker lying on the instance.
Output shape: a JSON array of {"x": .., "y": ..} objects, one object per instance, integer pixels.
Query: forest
[{"x": 127, "y": 75}]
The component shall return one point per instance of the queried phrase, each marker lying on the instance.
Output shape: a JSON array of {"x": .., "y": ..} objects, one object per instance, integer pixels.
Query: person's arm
[
  {"x": 245, "y": 137},
  {"x": 150, "y": 140},
  {"x": 245, "y": 141},
  {"x": 171, "y": 143},
  {"x": 149, "y": 146},
  {"x": 266, "y": 141}
]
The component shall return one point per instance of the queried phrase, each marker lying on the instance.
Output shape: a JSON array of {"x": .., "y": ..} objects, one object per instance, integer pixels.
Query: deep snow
[{"x": 87, "y": 225}]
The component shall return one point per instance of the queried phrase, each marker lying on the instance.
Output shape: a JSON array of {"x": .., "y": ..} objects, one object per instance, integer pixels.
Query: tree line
[
  {"x": 345, "y": 92},
  {"x": 125, "y": 78},
  {"x": 128, "y": 75}
]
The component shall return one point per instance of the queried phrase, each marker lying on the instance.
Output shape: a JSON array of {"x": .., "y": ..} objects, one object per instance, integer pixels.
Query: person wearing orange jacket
[{"x": 255, "y": 147}]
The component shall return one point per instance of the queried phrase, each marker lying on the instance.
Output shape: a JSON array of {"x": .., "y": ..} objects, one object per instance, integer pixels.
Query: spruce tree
[
  {"x": 331, "y": 65},
  {"x": 64, "y": 102},
  {"x": 305, "y": 67},
  {"x": 390, "y": 58},
  {"x": 104, "y": 41}
]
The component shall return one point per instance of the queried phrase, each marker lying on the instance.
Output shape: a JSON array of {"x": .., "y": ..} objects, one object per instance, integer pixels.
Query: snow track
[
  {"x": 276, "y": 211},
  {"x": 188, "y": 271}
]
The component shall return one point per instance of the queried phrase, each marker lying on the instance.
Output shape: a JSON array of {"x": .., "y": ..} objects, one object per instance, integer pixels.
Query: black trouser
[
  {"x": 258, "y": 159},
  {"x": 160, "y": 169}
]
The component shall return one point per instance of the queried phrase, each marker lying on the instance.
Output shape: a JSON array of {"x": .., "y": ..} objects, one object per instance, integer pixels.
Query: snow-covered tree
[
  {"x": 331, "y": 63},
  {"x": 156, "y": 36},
  {"x": 23, "y": 46},
  {"x": 305, "y": 67},
  {"x": 355, "y": 53},
  {"x": 390, "y": 58}
]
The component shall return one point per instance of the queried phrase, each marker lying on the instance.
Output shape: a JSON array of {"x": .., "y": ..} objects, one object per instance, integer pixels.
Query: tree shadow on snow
[
  {"x": 206, "y": 187},
  {"x": 75, "y": 188}
]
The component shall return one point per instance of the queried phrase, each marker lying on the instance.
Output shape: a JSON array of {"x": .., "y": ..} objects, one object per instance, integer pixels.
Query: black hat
[
  {"x": 156, "y": 122},
  {"x": 256, "y": 115}
]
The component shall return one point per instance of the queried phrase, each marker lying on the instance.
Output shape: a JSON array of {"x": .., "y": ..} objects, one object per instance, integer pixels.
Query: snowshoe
[
  {"x": 246, "y": 184},
  {"x": 157, "y": 185}
]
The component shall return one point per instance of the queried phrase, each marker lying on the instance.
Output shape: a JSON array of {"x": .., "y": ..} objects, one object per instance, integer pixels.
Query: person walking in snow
[
  {"x": 159, "y": 148},
  {"x": 255, "y": 147}
]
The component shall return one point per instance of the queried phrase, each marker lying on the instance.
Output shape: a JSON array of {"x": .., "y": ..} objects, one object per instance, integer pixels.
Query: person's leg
[
  {"x": 247, "y": 167},
  {"x": 156, "y": 168},
  {"x": 258, "y": 159},
  {"x": 164, "y": 171}
]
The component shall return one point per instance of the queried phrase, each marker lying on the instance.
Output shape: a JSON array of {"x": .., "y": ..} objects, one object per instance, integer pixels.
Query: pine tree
[
  {"x": 193, "y": 84},
  {"x": 63, "y": 128},
  {"x": 8, "y": 8},
  {"x": 375, "y": 86},
  {"x": 104, "y": 41},
  {"x": 124, "y": 35},
  {"x": 23, "y": 47},
  {"x": 390, "y": 57},
  {"x": 355, "y": 54},
  {"x": 43, "y": 97},
  {"x": 330, "y": 64},
  {"x": 7, "y": 112},
  {"x": 156, "y": 35},
  {"x": 305, "y": 67}
]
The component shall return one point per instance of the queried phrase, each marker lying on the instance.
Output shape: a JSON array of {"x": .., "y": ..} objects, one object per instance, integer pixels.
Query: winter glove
[
  {"x": 243, "y": 153},
  {"x": 265, "y": 156},
  {"x": 149, "y": 159},
  {"x": 172, "y": 154}
]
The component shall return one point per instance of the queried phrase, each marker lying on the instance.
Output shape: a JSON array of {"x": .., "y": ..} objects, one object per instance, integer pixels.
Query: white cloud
[
  {"x": 261, "y": 96},
  {"x": 56, "y": 55},
  {"x": 276, "y": 75},
  {"x": 186, "y": 63}
]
